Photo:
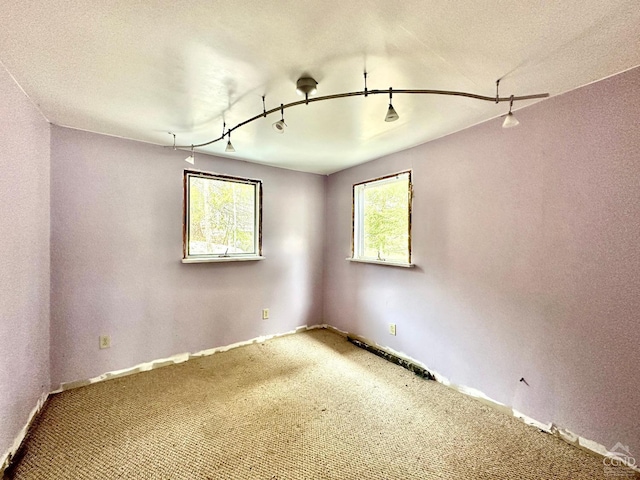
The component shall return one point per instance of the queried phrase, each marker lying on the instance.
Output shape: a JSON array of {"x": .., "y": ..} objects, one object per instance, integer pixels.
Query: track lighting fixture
[
  {"x": 308, "y": 86},
  {"x": 229, "y": 147},
  {"x": 510, "y": 120},
  {"x": 392, "y": 115},
  {"x": 279, "y": 126},
  {"x": 191, "y": 158}
]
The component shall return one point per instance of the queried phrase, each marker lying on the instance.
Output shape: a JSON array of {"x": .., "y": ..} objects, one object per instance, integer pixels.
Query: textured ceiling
[{"x": 139, "y": 69}]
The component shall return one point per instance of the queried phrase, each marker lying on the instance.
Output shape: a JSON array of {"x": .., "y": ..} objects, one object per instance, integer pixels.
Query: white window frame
[
  {"x": 357, "y": 230},
  {"x": 228, "y": 257}
]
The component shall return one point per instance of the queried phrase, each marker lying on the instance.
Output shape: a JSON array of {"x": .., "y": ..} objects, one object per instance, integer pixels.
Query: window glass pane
[
  {"x": 222, "y": 217},
  {"x": 386, "y": 221},
  {"x": 381, "y": 219}
]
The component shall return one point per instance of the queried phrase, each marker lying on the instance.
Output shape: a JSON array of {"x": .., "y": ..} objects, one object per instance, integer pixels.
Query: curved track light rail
[{"x": 364, "y": 93}]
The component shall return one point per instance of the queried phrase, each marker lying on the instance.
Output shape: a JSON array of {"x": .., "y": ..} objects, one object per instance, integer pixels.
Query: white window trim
[
  {"x": 230, "y": 257},
  {"x": 382, "y": 262},
  {"x": 358, "y": 219},
  {"x": 222, "y": 259}
]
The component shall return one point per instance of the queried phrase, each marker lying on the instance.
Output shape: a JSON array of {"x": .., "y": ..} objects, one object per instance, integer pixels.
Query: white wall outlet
[
  {"x": 392, "y": 328},
  {"x": 105, "y": 341},
  {"x": 265, "y": 314}
]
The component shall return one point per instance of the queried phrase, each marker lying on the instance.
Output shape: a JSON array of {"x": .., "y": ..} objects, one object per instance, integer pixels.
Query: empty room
[{"x": 319, "y": 240}]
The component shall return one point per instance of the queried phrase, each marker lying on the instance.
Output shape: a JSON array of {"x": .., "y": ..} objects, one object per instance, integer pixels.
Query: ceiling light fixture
[
  {"x": 191, "y": 158},
  {"x": 510, "y": 120},
  {"x": 308, "y": 85},
  {"x": 229, "y": 147},
  {"x": 392, "y": 115},
  {"x": 280, "y": 125}
]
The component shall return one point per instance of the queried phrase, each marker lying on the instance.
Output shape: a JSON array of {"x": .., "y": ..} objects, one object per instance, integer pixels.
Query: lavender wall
[
  {"x": 24, "y": 259},
  {"x": 116, "y": 213},
  {"x": 527, "y": 245}
]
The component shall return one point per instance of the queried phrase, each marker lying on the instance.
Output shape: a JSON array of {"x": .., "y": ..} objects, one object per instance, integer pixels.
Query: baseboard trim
[
  {"x": 175, "y": 359},
  {"x": 411, "y": 366},
  {"x": 7, "y": 459},
  {"x": 387, "y": 353},
  {"x": 423, "y": 371}
]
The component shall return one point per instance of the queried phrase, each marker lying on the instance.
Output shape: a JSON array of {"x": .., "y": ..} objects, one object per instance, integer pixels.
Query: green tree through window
[
  {"x": 381, "y": 219},
  {"x": 222, "y": 215}
]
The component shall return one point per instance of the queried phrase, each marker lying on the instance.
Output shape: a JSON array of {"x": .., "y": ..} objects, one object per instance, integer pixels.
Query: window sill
[
  {"x": 383, "y": 262},
  {"x": 222, "y": 259}
]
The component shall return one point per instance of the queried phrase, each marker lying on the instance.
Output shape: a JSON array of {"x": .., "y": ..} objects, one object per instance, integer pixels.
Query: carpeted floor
[{"x": 305, "y": 406}]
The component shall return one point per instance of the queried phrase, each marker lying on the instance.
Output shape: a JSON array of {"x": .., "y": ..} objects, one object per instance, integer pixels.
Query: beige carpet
[{"x": 305, "y": 406}]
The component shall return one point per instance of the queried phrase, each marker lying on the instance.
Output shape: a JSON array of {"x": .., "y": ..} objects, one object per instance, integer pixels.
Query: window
[
  {"x": 382, "y": 220},
  {"x": 221, "y": 218}
]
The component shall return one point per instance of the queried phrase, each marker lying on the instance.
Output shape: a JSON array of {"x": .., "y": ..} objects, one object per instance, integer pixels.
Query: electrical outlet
[
  {"x": 265, "y": 314},
  {"x": 105, "y": 341},
  {"x": 392, "y": 328}
]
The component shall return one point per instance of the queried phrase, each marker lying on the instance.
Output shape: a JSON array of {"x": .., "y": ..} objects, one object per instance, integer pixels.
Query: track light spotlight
[
  {"x": 392, "y": 115},
  {"x": 510, "y": 120},
  {"x": 229, "y": 147},
  {"x": 191, "y": 158},
  {"x": 280, "y": 125}
]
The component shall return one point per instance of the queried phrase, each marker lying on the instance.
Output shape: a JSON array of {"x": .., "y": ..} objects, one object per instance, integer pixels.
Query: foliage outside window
[
  {"x": 221, "y": 216},
  {"x": 382, "y": 219}
]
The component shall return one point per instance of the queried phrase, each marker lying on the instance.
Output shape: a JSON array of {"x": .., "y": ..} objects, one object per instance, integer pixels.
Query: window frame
[
  {"x": 360, "y": 220},
  {"x": 200, "y": 258}
]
